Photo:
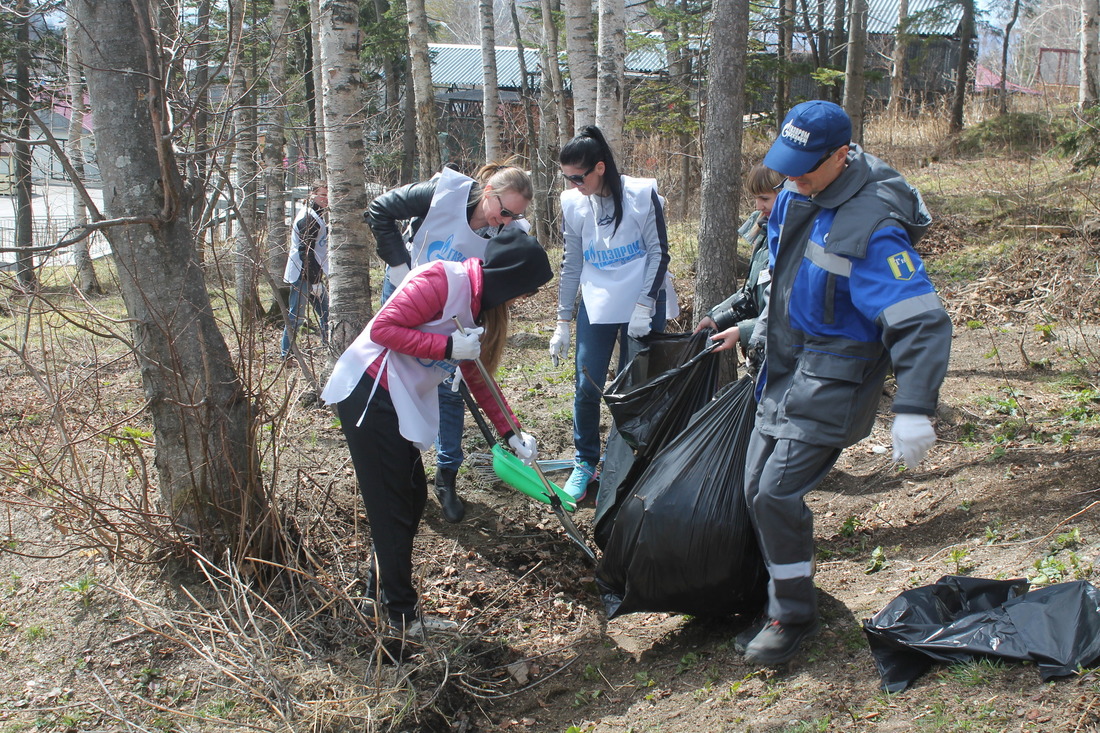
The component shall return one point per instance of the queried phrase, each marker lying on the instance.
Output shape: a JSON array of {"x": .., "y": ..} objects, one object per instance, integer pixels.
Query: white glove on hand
[
  {"x": 524, "y": 445},
  {"x": 456, "y": 381},
  {"x": 466, "y": 345},
  {"x": 559, "y": 342},
  {"x": 913, "y": 435},
  {"x": 639, "y": 321},
  {"x": 397, "y": 274}
]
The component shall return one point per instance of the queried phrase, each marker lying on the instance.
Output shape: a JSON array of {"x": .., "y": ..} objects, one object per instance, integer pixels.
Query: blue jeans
[
  {"x": 452, "y": 412},
  {"x": 294, "y": 313},
  {"x": 595, "y": 342}
]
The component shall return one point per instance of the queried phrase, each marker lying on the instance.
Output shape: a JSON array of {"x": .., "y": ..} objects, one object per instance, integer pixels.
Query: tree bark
[
  {"x": 350, "y": 241},
  {"x": 962, "y": 75},
  {"x": 716, "y": 272},
  {"x": 427, "y": 131},
  {"x": 897, "y": 70},
  {"x": 1004, "y": 54},
  {"x": 246, "y": 171},
  {"x": 554, "y": 86},
  {"x": 274, "y": 151},
  {"x": 204, "y": 422},
  {"x": 1088, "y": 90},
  {"x": 580, "y": 52},
  {"x": 612, "y": 71},
  {"x": 854, "y": 80},
  {"x": 24, "y": 212},
  {"x": 490, "y": 89}
]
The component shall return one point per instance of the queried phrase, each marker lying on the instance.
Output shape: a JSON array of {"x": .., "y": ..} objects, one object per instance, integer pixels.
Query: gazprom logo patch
[
  {"x": 796, "y": 134},
  {"x": 444, "y": 250}
]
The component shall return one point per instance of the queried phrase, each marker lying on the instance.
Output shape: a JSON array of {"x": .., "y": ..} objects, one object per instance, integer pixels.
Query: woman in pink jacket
[{"x": 384, "y": 387}]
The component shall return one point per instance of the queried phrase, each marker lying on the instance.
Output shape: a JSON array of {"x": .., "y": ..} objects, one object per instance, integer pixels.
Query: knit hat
[
  {"x": 810, "y": 131},
  {"x": 514, "y": 264}
]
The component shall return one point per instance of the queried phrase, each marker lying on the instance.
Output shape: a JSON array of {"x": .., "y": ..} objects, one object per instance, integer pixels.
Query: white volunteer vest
[
  {"x": 613, "y": 273},
  {"x": 293, "y": 269},
  {"x": 445, "y": 234},
  {"x": 412, "y": 382}
]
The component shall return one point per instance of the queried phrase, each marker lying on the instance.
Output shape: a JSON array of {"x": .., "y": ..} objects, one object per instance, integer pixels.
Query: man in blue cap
[{"x": 849, "y": 300}]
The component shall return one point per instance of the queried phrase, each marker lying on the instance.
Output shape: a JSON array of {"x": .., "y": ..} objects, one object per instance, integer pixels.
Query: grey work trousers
[{"x": 778, "y": 474}]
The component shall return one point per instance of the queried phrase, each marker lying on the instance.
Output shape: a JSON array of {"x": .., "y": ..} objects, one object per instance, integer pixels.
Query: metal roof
[
  {"x": 931, "y": 17},
  {"x": 459, "y": 65}
]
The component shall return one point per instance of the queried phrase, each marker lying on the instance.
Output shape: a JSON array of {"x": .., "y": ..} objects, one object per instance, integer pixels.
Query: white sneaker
[{"x": 425, "y": 625}]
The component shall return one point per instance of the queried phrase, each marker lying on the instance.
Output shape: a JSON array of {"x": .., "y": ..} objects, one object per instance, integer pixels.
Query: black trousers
[{"x": 391, "y": 480}]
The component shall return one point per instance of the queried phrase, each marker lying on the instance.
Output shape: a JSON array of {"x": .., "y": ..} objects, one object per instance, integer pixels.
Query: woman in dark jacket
[{"x": 451, "y": 218}]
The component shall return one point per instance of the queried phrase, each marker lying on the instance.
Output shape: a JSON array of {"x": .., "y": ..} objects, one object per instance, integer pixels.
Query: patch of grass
[
  {"x": 978, "y": 672},
  {"x": 35, "y": 632},
  {"x": 83, "y": 587}
]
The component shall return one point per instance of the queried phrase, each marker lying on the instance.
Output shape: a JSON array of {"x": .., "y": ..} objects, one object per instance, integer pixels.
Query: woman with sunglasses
[
  {"x": 451, "y": 217},
  {"x": 384, "y": 389},
  {"x": 616, "y": 261}
]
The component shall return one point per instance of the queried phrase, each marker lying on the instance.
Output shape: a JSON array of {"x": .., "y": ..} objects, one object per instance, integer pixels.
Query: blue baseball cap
[{"x": 809, "y": 132}]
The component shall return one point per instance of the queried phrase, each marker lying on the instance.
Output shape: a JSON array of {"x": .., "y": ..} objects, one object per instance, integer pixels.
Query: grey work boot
[{"x": 452, "y": 507}]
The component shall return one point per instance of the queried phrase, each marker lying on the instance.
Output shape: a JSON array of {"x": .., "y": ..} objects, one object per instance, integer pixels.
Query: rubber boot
[{"x": 453, "y": 508}]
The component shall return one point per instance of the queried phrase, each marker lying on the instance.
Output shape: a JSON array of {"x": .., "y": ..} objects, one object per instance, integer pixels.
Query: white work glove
[
  {"x": 318, "y": 289},
  {"x": 913, "y": 435},
  {"x": 456, "y": 381},
  {"x": 524, "y": 445},
  {"x": 466, "y": 345},
  {"x": 639, "y": 321},
  {"x": 397, "y": 274},
  {"x": 559, "y": 342}
]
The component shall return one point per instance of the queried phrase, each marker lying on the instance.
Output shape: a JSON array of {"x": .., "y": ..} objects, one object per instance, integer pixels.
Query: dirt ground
[{"x": 1010, "y": 490}]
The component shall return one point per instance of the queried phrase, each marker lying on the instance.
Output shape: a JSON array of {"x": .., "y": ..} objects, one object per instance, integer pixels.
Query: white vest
[
  {"x": 445, "y": 234},
  {"x": 293, "y": 269},
  {"x": 613, "y": 273},
  {"x": 411, "y": 381}
]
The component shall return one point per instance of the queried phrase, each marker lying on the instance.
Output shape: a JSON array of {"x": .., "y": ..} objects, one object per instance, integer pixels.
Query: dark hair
[{"x": 586, "y": 150}]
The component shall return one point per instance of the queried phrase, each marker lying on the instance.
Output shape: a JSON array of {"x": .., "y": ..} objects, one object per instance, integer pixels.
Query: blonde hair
[
  {"x": 504, "y": 177},
  {"x": 762, "y": 180},
  {"x": 496, "y": 321}
]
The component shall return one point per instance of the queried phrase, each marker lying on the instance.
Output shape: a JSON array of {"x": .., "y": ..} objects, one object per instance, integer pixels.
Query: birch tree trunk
[
  {"x": 344, "y": 103},
  {"x": 82, "y": 258},
  {"x": 854, "y": 80},
  {"x": 1088, "y": 90},
  {"x": 204, "y": 423},
  {"x": 612, "y": 71},
  {"x": 490, "y": 89},
  {"x": 274, "y": 151},
  {"x": 245, "y": 169},
  {"x": 716, "y": 274},
  {"x": 962, "y": 75},
  {"x": 897, "y": 71},
  {"x": 580, "y": 51},
  {"x": 427, "y": 130}
]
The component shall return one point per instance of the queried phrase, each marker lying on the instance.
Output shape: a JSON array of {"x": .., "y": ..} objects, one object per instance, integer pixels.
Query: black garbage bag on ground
[
  {"x": 958, "y": 619},
  {"x": 681, "y": 540},
  {"x": 651, "y": 400}
]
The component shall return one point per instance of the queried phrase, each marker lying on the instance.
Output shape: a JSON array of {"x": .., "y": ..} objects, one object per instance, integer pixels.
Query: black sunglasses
[
  {"x": 825, "y": 157},
  {"x": 578, "y": 180},
  {"x": 507, "y": 213}
]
